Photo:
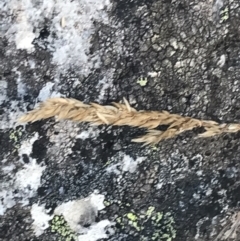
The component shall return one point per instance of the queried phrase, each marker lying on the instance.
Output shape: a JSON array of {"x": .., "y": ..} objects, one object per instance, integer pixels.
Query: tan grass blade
[{"x": 123, "y": 114}]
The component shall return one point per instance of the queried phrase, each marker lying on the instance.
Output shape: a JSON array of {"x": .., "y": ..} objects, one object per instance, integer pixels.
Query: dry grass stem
[{"x": 119, "y": 114}]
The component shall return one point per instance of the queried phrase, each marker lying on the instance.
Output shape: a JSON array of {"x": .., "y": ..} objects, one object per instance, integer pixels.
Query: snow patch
[
  {"x": 6, "y": 199},
  {"x": 96, "y": 231},
  {"x": 9, "y": 168},
  {"x": 47, "y": 92},
  {"x": 70, "y": 43},
  {"x": 128, "y": 164},
  {"x": 104, "y": 84},
  {"x": 26, "y": 181},
  {"x": 30, "y": 176},
  {"x": 24, "y": 35},
  {"x": 84, "y": 211},
  {"x": 3, "y": 91},
  {"x": 10, "y": 116},
  {"x": 21, "y": 87},
  {"x": 41, "y": 219},
  {"x": 74, "y": 212},
  {"x": 92, "y": 132},
  {"x": 26, "y": 146}
]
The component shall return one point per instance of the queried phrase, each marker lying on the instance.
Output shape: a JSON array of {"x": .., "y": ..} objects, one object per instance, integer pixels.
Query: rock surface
[{"x": 180, "y": 56}]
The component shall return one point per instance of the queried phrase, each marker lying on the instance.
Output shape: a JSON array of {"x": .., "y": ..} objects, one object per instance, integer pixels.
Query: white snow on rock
[
  {"x": 10, "y": 115},
  {"x": 41, "y": 222},
  {"x": 26, "y": 146},
  {"x": 21, "y": 87},
  {"x": 128, "y": 164},
  {"x": 96, "y": 231},
  {"x": 3, "y": 91},
  {"x": 30, "y": 177},
  {"x": 6, "y": 198},
  {"x": 84, "y": 211},
  {"x": 91, "y": 132},
  {"x": 24, "y": 33},
  {"x": 69, "y": 43},
  {"x": 26, "y": 180},
  {"x": 47, "y": 92},
  {"x": 41, "y": 219},
  {"x": 73, "y": 212},
  {"x": 105, "y": 84}
]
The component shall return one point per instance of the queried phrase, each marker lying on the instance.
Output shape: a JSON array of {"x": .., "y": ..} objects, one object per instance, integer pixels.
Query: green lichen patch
[
  {"x": 224, "y": 15},
  {"x": 60, "y": 226},
  {"x": 150, "y": 224},
  {"x": 142, "y": 81},
  {"x": 15, "y": 136}
]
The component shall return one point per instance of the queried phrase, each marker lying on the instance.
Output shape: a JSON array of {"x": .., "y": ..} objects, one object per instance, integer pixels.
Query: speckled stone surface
[{"x": 188, "y": 51}]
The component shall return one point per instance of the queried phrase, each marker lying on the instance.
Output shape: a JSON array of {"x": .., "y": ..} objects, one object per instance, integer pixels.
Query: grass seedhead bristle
[{"x": 123, "y": 114}]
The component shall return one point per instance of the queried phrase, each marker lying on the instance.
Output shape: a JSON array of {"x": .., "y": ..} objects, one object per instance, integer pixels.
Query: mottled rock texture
[{"x": 189, "y": 52}]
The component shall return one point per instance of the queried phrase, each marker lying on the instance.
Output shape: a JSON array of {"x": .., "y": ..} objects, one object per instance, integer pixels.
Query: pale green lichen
[
  {"x": 133, "y": 220},
  {"x": 142, "y": 81},
  {"x": 60, "y": 226},
  {"x": 156, "y": 226},
  {"x": 224, "y": 15},
  {"x": 150, "y": 211},
  {"x": 15, "y": 136},
  {"x": 106, "y": 203},
  {"x": 108, "y": 163}
]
